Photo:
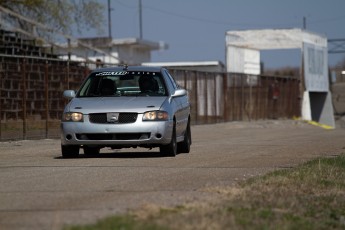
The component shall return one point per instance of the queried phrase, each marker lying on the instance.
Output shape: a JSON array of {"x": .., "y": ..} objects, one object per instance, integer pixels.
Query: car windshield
[{"x": 123, "y": 83}]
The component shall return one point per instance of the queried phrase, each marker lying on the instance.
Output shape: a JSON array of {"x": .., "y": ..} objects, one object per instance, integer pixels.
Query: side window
[
  {"x": 168, "y": 82},
  {"x": 171, "y": 80},
  {"x": 86, "y": 87},
  {"x": 89, "y": 87}
]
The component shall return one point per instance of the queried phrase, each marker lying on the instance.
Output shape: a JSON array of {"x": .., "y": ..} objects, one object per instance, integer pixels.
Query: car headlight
[
  {"x": 72, "y": 116},
  {"x": 156, "y": 116}
]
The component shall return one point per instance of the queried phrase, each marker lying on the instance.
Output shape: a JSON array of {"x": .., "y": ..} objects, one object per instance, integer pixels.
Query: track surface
[{"x": 40, "y": 190}]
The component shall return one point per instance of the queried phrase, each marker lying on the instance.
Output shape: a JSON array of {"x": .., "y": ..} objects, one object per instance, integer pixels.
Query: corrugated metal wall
[{"x": 223, "y": 97}]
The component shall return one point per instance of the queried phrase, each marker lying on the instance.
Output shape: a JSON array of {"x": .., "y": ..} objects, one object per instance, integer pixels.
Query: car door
[{"x": 182, "y": 111}]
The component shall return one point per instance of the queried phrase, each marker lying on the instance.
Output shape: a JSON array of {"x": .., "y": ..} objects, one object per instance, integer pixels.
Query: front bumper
[{"x": 139, "y": 133}]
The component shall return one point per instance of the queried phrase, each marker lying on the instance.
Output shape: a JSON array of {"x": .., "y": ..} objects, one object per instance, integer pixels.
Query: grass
[
  {"x": 311, "y": 196},
  {"x": 126, "y": 222}
]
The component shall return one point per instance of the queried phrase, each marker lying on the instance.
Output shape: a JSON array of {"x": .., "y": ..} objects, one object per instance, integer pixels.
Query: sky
[{"x": 195, "y": 29}]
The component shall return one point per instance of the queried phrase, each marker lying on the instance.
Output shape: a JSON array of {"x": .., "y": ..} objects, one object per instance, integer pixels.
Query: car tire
[
  {"x": 171, "y": 148},
  {"x": 184, "y": 146},
  {"x": 91, "y": 151},
  {"x": 70, "y": 151}
]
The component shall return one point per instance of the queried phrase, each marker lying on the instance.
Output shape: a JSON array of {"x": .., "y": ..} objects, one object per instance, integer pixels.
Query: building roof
[
  {"x": 106, "y": 42},
  {"x": 190, "y": 63}
]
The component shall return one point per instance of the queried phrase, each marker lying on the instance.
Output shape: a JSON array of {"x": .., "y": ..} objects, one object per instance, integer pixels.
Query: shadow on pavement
[{"x": 105, "y": 155}]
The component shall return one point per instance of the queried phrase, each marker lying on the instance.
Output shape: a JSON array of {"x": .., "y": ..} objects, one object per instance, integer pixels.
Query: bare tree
[{"x": 66, "y": 16}]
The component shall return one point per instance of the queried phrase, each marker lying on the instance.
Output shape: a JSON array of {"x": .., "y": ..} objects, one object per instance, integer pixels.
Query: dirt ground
[
  {"x": 41, "y": 190},
  {"x": 338, "y": 96}
]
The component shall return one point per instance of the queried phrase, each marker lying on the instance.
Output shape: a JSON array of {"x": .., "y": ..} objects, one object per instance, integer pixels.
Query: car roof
[{"x": 130, "y": 68}]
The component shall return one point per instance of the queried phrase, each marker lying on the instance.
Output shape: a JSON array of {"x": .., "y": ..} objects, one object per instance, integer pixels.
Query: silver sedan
[{"x": 126, "y": 107}]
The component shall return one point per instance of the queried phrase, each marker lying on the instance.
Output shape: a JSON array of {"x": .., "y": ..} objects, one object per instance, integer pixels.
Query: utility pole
[
  {"x": 109, "y": 19},
  {"x": 140, "y": 21},
  {"x": 304, "y": 23}
]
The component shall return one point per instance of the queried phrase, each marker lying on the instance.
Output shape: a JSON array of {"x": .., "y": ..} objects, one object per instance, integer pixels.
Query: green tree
[{"x": 66, "y": 16}]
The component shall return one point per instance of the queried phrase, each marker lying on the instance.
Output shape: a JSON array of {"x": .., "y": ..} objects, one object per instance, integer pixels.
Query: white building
[
  {"x": 243, "y": 56},
  {"x": 131, "y": 51}
]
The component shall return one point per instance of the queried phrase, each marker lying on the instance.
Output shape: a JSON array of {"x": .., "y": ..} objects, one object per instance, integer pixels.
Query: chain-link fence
[{"x": 31, "y": 102}]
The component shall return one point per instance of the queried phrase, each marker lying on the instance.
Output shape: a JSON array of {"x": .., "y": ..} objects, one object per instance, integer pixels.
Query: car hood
[{"x": 115, "y": 104}]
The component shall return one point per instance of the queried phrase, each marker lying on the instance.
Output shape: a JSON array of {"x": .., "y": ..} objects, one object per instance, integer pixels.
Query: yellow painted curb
[
  {"x": 315, "y": 123},
  {"x": 320, "y": 125}
]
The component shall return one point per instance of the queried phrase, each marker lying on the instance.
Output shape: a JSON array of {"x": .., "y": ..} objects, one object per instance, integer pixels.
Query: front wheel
[
  {"x": 70, "y": 151},
  {"x": 184, "y": 146},
  {"x": 171, "y": 148}
]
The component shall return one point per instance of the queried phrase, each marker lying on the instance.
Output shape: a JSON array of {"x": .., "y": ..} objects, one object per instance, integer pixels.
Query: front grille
[
  {"x": 124, "y": 118},
  {"x": 100, "y": 118},
  {"x": 127, "y": 117}
]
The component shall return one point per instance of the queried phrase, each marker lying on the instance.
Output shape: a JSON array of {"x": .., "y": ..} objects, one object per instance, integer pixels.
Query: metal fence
[
  {"x": 31, "y": 102},
  {"x": 224, "y": 97}
]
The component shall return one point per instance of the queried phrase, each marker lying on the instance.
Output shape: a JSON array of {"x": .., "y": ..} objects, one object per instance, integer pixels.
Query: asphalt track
[{"x": 40, "y": 190}]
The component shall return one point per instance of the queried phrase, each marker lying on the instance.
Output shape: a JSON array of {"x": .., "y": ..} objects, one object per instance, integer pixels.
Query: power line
[
  {"x": 227, "y": 23},
  {"x": 336, "y": 45},
  {"x": 327, "y": 20}
]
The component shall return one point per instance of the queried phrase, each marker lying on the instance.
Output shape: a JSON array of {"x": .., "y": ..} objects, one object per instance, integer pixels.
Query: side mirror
[
  {"x": 69, "y": 94},
  {"x": 179, "y": 93}
]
